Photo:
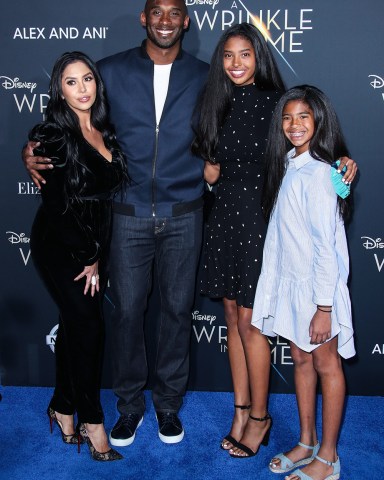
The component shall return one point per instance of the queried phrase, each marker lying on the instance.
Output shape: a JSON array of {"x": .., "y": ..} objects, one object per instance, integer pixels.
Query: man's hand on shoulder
[{"x": 35, "y": 163}]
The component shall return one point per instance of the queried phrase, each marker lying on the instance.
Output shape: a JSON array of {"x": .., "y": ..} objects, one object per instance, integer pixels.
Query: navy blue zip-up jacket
[{"x": 166, "y": 178}]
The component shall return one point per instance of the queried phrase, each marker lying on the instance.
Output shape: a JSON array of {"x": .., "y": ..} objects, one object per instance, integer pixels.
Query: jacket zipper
[{"x": 154, "y": 171}]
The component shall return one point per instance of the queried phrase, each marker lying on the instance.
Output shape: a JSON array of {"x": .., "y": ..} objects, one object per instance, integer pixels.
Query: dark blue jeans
[{"x": 173, "y": 243}]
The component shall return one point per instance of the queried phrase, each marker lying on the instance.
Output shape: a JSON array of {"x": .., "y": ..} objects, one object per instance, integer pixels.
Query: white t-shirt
[{"x": 160, "y": 87}]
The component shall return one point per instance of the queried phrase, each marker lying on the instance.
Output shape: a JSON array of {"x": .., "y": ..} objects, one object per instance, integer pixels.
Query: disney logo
[
  {"x": 10, "y": 83},
  {"x": 204, "y": 318},
  {"x": 17, "y": 238},
  {"x": 202, "y": 2},
  {"x": 377, "y": 81},
  {"x": 371, "y": 243}
]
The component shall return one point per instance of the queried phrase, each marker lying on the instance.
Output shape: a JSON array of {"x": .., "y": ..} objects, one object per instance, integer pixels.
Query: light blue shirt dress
[{"x": 305, "y": 259}]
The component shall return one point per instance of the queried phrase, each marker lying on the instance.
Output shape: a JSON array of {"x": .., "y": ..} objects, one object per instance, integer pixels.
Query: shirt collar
[{"x": 299, "y": 161}]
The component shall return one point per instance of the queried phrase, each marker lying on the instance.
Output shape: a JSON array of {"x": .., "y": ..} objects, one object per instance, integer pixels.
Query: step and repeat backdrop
[{"x": 337, "y": 46}]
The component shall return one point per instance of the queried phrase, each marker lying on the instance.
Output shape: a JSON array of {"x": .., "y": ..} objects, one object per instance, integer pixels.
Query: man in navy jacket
[{"x": 152, "y": 91}]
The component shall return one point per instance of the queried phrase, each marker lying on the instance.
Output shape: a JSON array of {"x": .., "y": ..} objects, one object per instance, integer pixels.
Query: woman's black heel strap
[
  {"x": 243, "y": 407},
  {"x": 262, "y": 419}
]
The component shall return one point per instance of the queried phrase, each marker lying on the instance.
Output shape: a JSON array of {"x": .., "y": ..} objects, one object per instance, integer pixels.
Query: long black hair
[
  {"x": 216, "y": 98},
  {"x": 60, "y": 114},
  {"x": 326, "y": 145}
]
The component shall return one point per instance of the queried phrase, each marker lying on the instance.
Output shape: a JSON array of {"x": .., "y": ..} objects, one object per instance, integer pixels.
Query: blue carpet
[{"x": 29, "y": 452}]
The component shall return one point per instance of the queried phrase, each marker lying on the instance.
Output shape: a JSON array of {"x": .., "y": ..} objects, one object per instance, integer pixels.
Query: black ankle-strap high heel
[
  {"x": 228, "y": 438},
  {"x": 249, "y": 452},
  {"x": 70, "y": 438}
]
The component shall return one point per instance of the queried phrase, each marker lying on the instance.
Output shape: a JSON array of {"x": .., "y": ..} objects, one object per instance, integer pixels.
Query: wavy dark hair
[
  {"x": 216, "y": 98},
  {"x": 326, "y": 145},
  {"x": 60, "y": 113}
]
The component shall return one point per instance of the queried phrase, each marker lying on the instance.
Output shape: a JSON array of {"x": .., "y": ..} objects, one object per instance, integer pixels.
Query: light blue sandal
[
  {"x": 334, "y": 476},
  {"x": 286, "y": 464}
]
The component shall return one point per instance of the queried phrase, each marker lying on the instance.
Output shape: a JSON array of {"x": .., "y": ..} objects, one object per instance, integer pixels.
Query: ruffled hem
[{"x": 288, "y": 310}]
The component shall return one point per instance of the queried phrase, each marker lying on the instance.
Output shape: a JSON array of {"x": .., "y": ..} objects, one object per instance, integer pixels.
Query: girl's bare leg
[
  {"x": 305, "y": 384},
  {"x": 258, "y": 360},
  {"x": 327, "y": 364},
  {"x": 238, "y": 370}
]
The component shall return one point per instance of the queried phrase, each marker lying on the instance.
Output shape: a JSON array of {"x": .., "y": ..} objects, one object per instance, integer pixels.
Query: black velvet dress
[
  {"x": 235, "y": 230},
  {"x": 68, "y": 234}
]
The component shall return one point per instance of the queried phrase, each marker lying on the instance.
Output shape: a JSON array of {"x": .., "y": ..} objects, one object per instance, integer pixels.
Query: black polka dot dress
[{"x": 236, "y": 229}]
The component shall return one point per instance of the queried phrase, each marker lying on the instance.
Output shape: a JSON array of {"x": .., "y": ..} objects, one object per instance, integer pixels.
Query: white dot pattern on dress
[{"x": 236, "y": 229}]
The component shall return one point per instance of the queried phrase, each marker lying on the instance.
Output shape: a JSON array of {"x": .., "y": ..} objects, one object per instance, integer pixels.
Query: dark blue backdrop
[{"x": 337, "y": 46}]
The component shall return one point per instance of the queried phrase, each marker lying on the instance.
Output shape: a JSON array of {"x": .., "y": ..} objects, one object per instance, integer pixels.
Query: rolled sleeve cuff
[{"x": 323, "y": 301}]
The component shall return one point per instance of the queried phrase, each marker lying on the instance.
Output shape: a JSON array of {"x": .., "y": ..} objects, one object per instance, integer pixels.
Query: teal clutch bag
[{"x": 341, "y": 188}]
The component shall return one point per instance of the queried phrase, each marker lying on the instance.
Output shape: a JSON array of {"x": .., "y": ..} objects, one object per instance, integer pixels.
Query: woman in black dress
[
  {"x": 70, "y": 239},
  {"x": 243, "y": 88}
]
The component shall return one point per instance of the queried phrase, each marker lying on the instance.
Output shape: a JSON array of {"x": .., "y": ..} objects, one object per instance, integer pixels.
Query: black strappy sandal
[
  {"x": 228, "y": 438},
  {"x": 264, "y": 441}
]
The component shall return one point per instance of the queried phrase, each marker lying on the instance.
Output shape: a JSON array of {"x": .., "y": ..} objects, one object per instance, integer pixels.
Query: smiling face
[
  {"x": 239, "y": 61},
  {"x": 298, "y": 124},
  {"x": 78, "y": 87},
  {"x": 164, "y": 21}
]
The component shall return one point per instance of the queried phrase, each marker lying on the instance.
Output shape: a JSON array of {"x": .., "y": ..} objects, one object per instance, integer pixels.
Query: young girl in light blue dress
[{"x": 302, "y": 291}]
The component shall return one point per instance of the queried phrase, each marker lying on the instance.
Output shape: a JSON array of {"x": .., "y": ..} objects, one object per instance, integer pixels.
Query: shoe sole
[
  {"x": 124, "y": 442},
  {"x": 334, "y": 476},
  {"x": 172, "y": 439}
]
